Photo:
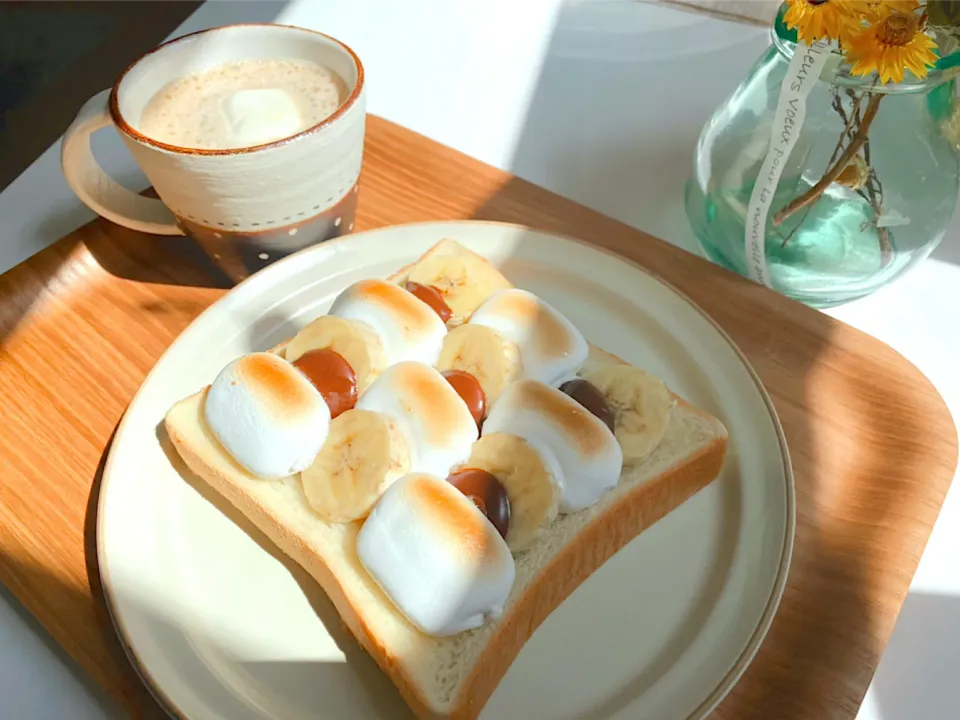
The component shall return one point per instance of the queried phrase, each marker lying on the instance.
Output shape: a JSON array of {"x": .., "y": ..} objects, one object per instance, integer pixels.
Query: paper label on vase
[{"x": 805, "y": 68}]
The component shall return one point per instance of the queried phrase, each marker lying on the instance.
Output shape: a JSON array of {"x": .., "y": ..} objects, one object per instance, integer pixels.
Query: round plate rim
[{"x": 752, "y": 646}]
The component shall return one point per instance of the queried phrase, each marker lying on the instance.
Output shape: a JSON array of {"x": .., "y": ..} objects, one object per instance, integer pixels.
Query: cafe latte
[{"x": 242, "y": 104}]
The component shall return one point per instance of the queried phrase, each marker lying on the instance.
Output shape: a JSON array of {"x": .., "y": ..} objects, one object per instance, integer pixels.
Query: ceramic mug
[{"x": 247, "y": 207}]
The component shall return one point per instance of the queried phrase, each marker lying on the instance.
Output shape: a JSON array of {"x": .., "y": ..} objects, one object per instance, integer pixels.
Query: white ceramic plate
[{"x": 220, "y": 625}]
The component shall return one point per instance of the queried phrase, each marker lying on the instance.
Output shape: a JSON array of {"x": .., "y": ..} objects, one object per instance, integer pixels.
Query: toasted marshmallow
[
  {"x": 436, "y": 556},
  {"x": 408, "y": 327},
  {"x": 551, "y": 348},
  {"x": 267, "y": 415},
  {"x": 436, "y": 422},
  {"x": 589, "y": 456}
]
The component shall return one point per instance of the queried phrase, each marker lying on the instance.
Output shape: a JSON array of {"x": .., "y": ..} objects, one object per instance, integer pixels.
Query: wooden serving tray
[{"x": 872, "y": 443}]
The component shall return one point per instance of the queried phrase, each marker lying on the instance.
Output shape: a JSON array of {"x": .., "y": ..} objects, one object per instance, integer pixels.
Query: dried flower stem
[
  {"x": 874, "y": 190},
  {"x": 846, "y": 135},
  {"x": 830, "y": 175},
  {"x": 875, "y": 198},
  {"x": 849, "y": 121},
  {"x": 796, "y": 228}
]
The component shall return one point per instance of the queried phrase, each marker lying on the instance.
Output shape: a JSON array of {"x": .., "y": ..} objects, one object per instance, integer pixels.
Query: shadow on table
[
  {"x": 163, "y": 259},
  {"x": 56, "y": 55},
  {"x": 121, "y": 33},
  {"x": 949, "y": 250},
  {"x": 22, "y": 690},
  {"x": 73, "y": 263},
  {"x": 921, "y": 666},
  {"x": 340, "y": 682}
]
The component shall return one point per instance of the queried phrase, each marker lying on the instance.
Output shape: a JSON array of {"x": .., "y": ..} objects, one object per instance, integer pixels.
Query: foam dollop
[{"x": 259, "y": 115}]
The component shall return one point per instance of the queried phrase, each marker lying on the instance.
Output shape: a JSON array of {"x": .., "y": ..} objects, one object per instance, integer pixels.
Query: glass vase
[{"x": 885, "y": 212}]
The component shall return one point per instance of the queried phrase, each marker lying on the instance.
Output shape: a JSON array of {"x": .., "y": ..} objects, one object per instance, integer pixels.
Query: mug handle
[{"x": 99, "y": 191}]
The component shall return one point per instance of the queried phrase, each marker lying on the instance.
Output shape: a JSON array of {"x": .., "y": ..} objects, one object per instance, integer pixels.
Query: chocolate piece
[
  {"x": 487, "y": 493},
  {"x": 432, "y": 297},
  {"x": 469, "y": 390},
  {"x": 332, "y": 376},
  {"x": 587, "y": 394}
]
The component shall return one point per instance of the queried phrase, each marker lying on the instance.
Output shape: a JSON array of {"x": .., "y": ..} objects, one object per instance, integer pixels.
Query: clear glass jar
[{"x": 887, "y": 211}]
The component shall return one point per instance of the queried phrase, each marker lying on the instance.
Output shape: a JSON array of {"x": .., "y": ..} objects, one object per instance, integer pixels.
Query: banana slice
[
  {"x": 362, "y": 456},
  {"x": 531, "y": 482},
  {"x": 355, "y": 342},
  {"x": 484, "y": 353},
  {"x": 641, "y": 405},
  {"x": 463, "y": 280}
]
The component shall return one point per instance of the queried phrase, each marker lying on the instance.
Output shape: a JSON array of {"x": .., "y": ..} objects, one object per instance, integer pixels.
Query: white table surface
[{"x": 601, "y": 101}]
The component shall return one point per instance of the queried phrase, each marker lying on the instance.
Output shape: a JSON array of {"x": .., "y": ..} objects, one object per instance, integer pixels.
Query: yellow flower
[
  {"x": 904, "y": 6},
  {"x": 891, "y": 44},
  {"x": 816, "y": 19}
]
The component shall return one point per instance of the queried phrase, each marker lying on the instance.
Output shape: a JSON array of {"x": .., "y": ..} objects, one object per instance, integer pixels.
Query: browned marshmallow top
[
  {"x": 575, "y": 421},
  {"x": 453, "y": 518},
  {"x": 407, "y": 309},
  {"x": 276, "y": 384}
]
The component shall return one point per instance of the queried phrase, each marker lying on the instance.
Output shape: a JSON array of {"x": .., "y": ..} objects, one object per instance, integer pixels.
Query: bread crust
[
  {"x": 293, "y": 546},
  {"x": 607, "y": 533},
  {"x": 614, "y": 527}
]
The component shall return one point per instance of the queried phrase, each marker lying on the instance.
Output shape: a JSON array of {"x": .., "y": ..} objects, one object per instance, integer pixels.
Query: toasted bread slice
[{"x": 453, "y": 677}]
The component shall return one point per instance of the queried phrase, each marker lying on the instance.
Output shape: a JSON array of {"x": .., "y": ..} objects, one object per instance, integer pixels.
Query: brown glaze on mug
[{"x": 239, "y": 254}]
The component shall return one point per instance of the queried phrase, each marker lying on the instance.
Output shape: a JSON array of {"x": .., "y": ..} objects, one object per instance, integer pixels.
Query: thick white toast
[{"x": 453, "y": 677}]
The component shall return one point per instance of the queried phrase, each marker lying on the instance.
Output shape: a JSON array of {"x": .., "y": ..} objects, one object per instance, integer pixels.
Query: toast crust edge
[
  {"x": 292, "y": 545},
  {"x": 607, "y": 533}
]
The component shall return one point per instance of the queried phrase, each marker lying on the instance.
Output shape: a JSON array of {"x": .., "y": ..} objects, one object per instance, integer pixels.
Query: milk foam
[{"x": 242, "y": 103}]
